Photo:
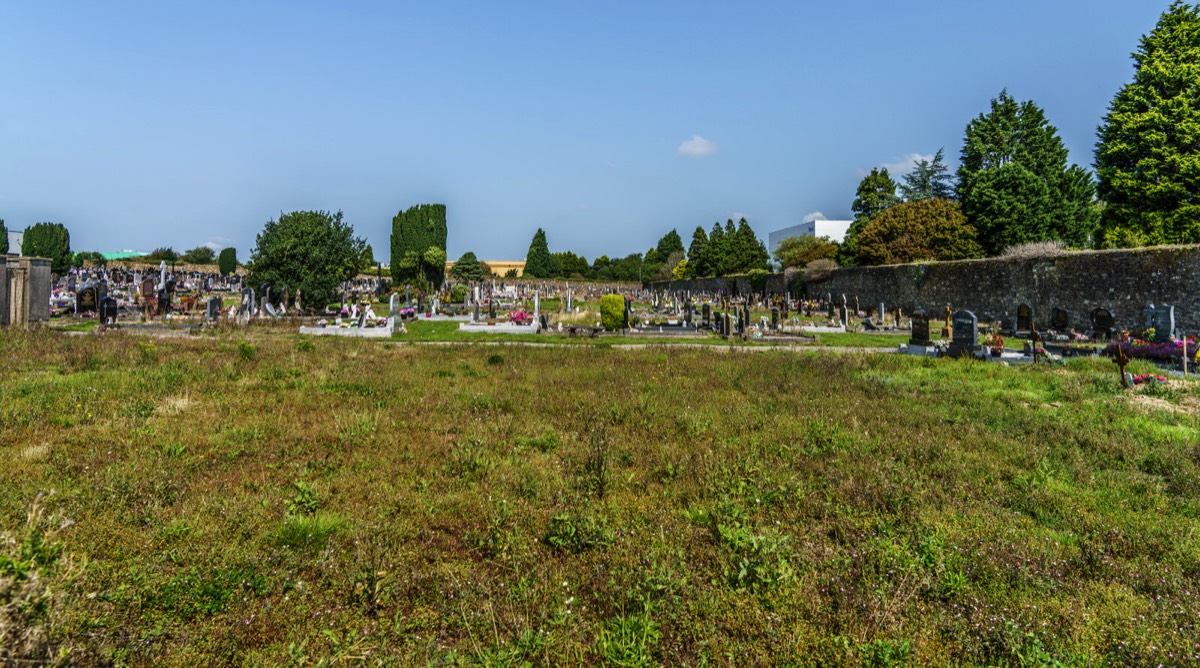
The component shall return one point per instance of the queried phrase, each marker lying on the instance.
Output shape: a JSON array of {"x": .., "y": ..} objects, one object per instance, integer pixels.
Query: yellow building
[{"x": 497, "y": 267}]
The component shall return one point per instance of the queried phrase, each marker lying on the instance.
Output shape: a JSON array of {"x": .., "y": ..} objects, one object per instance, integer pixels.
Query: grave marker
[
  {"x": 1162, "y": 319},
  {"x": 1060, "y": 320},
  {"x": 920, "y": 330},
  {"x": 966, "y": 334},
  {"x": 1024, "y": 319},
  {"x": 1102, "y": 323},
  {"x": 213, "y": 309},
  {"x": 88, "y": 300},
  {"x": 108, "y": 311}
]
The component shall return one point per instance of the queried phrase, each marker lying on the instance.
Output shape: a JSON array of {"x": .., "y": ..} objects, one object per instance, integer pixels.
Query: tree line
[{"x": 1014, "y": 185}]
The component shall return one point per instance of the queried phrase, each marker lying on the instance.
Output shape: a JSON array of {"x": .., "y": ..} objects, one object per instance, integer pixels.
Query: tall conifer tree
[{"x": 1148, "y": 154}]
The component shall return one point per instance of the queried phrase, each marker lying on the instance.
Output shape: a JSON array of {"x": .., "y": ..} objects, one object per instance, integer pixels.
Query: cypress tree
[
  {"x": 697, "y": 260},
  {"x": 415, "y": 232},
  {"x": 227, "y": 261},
  {"x": 49, "y": 240},
  {"x": 537, "y": 260}
]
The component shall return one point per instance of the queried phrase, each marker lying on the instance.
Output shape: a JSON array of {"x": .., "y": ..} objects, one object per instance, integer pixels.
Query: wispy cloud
[
  {"x": 815, "y": 215},
  {"x": 905, "y": 165},
  {"x": 697, "y": 147}
]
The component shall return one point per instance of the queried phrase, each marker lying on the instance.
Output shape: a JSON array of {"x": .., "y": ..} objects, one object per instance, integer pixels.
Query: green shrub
[
  {"x": 458, "y": 293},
  {"x": 612, "y": 312},
  {"x": 758, "y": 279}
]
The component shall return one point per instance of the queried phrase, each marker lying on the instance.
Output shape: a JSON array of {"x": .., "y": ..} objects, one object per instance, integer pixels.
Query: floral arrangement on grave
[
  {"x": 519, "y": 317},
  {"x": 1166, "y": 351},
  {"x": 408, "y": 313},
  {"x": 1148, "y": 378},
  {"x": 995, "y": 343}
]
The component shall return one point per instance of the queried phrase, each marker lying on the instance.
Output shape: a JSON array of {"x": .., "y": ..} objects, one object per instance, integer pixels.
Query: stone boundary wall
[
  {"x": 1123, "y": 281},
  {"x": 721, "y": 285}
]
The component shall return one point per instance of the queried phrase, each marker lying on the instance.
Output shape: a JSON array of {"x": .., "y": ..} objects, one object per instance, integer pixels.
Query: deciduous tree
[
  {"x": 875, "y": 193},
  {"x": 199, "y": 255},
  {"x": 1148, "y": 154},
  {"x": 930, "y": 229},
  {"x": 312, "y": 251},
  {"x": 799, "y": 251}
]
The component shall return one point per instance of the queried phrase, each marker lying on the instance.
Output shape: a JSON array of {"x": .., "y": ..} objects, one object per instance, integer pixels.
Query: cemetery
[
  {"x": 472, "y": 501},
  {"x": 869, "y": 458}
]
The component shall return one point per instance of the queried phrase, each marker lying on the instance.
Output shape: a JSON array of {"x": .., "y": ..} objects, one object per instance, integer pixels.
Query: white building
[{"x": 834, "y": 229}]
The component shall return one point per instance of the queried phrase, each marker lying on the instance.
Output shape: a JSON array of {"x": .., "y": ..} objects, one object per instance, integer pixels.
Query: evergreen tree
[
  {"x": 569, "y": 265},
  {"x": 468, "y": 269},
  {"x": 537, "y": 260},
  {"x": 1147, "y": 157},
  {"x": 669, "y": 244},
  {"x": 928, "y": 180},
  {"x": 227, "y": 261},
  {"x": 875, "y": 193},
  {"x": 696, "y": 256},
  {"x": 414, "y": 232},
  {"x": 3, "y": 238},
  {"x": 1014, "y": 183},
  {"x": 368, "y": 259},
  {"x": 715, "y": 252},
  {"x": 49, "y": 240},
  {"x": 746, "y": 252}
]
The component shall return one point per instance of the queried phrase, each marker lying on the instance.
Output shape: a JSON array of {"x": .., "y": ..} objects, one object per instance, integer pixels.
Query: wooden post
[{"x": 1121, "y": 360}]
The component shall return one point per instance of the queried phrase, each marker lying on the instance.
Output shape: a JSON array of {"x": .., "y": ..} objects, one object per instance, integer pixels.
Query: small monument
[
  {"x": 965, "y": 341},
  {"x": 920, "y": 330}
]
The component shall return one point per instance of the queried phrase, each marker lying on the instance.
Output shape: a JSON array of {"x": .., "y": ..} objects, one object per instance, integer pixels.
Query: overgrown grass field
[{"x": 283, "y": 501}]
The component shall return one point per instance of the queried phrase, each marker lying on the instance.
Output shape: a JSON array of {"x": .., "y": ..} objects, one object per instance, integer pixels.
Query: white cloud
[
  {"x": 905, "y": 165},
  {"x": 697, "y": 147},
  {"x": 815, "y": 215}
]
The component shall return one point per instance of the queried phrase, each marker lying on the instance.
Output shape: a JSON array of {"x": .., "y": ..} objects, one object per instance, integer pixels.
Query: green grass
[{"x": 370, "y": 502}]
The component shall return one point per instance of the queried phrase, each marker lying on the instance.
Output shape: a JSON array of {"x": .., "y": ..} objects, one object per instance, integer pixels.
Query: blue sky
[{"x": 147, "y": 124}]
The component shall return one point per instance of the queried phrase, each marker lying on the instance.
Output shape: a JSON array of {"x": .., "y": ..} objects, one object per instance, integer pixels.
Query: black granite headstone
[
  {"x": 87, "y": 300},
  {"x": 966, "y": 334},
  {"x": 920, "y": 330},
  {"x": 108, "y": 311}
]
